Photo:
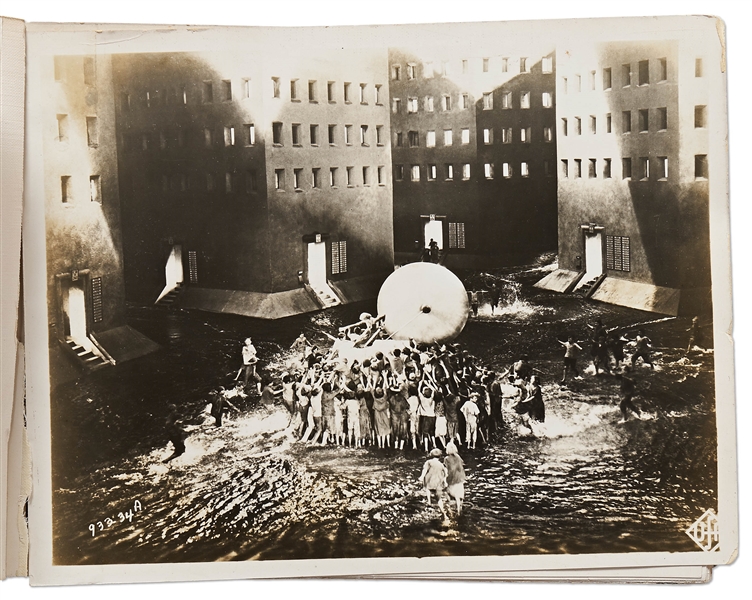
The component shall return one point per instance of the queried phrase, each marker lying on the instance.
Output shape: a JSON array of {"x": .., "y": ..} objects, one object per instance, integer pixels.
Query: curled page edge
[{"x": 13, "y": 479}]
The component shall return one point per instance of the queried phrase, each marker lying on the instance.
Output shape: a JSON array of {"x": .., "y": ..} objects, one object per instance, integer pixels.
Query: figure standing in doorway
[{"x": 433, "y": 251}]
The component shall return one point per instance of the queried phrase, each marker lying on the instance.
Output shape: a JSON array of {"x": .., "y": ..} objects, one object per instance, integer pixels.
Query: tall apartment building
[
  {"x": 634, "y": 170},
  {"x": 74, "y": 117},
  {"x": 262, "y": 179},
  {"x": 474, "y": 153}
]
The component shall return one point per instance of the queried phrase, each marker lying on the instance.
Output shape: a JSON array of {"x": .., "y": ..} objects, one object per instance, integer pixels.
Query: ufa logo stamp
[{"x": 705, "y": 532}]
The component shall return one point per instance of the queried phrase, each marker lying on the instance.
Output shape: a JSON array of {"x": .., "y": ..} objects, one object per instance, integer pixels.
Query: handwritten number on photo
[{"x": 122, "y": 517}]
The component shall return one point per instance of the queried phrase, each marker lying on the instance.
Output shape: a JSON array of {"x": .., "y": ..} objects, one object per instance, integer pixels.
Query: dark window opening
[
  {"x": 643, "y": 72},
  {"x": 701, "y": 116},
  {"x": 65, "y": 185},
  {"x": 208, "y": 92},
  {"x": 95, "y": 189},
  {"x": 701, "y": 166},
  {"x": 277, "y": 133}
]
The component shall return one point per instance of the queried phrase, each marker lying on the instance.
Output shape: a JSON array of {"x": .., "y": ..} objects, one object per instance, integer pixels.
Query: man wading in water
[
  {"x": 627, "y": 390},
  {"x": 175, "y": 433}
]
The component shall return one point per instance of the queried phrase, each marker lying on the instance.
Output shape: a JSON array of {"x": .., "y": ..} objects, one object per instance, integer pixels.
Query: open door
[
  {"x": 433, "y": 230},
  {"x": 74, "y": 307},
  {"x": 317, "y": 276},
  {"x": 317, "y": 264},
  {"x": 173, "y": 271},
  {"x": 174, "y": 267},
  {"x": 593, "y": 258}
]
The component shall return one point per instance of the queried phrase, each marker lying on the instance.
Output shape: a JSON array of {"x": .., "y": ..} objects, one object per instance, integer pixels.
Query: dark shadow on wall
[
  {"x": 521, "y": 201},
  {"x": 506, "y": 220},
  {"x": 670, "y": 211},
  {"x": 190, "y": 175},
  {"x": 451, "y": 200}
]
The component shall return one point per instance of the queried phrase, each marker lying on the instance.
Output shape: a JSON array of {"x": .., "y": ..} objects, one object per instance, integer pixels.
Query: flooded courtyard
[{"x": 584, "y": 483}]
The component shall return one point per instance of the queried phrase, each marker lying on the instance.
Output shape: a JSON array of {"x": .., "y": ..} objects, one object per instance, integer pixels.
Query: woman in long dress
[
  {"x": 364, "y": 416},
  {"x": 382, "y": 423}
]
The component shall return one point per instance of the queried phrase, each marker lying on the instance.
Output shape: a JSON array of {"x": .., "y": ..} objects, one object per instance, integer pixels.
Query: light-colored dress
[
  {"x": 381, "y": 416},
  {"x": 434, "y": 475}
]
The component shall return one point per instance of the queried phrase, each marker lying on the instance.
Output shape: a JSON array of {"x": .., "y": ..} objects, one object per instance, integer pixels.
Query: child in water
[
  {"x": 434, "y": 478},
  {"x": 455, "y": 475}
]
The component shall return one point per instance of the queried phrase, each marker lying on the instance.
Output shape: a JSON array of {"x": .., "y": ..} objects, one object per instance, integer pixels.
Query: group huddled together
[{"x": 401, "y": 394}]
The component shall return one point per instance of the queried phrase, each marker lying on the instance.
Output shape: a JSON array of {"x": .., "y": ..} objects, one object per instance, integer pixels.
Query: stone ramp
[
  {"x": 249, "y": 304},
  {"x": 125, "y": 343},
  {"x": 356, "y": 289},
  {"x": 561, "y": 280},
  {"x": 642, "y": 296}
]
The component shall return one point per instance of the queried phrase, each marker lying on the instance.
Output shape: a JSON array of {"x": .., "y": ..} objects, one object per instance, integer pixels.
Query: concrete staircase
[
  {"x": 86, "y": 358},
  {"x": 586, "y": 289},
  {"x": 325, "y": 294},
  {"x": 170, "y": 298}
]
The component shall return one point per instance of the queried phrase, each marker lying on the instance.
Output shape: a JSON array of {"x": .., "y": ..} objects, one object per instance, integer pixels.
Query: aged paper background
[{"x": 332, "y": 13}]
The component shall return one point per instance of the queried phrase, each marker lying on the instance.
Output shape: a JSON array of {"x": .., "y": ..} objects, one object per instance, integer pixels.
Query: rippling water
[{"x": 583, "y": 482}]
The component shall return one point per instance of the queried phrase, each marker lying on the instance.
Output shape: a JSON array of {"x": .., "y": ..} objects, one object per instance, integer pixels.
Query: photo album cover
[{"x": 408, "y": 301}]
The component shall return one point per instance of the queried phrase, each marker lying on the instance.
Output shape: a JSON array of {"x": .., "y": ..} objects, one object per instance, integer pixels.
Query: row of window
[
  {"x": 149, "y": 140},
  {"x": 431, "y": 172},
  {"x": 363, "y": 93},
  {"x": 247, "y": 181},
  {"x": 246, "y": 135},
  {"x": 643, "y": 168},
  {"x": 655, "y": 71},
  {"x": 465, "y": 101},
  {"x": 67, "y": 195},
  {"x": 352, "y": 134},
  {"x": 231, "y": 182},
  {"x": 314, "y": 178},
  {"x": 486, "y": 64},
  {"x": 647, "y": 120},
  {"x": 525, "y": 136}
]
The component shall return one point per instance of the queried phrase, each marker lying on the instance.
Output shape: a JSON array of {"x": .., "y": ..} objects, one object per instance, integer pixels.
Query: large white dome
[{"x": 424, "y": 302}]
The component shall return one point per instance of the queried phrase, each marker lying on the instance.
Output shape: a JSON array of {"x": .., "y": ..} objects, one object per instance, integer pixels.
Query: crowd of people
[
  {"x": 608, "y": 356},
  {"x": 434, "y": 397},
  {"x": 415, "y": 395},
  {"x": 403, "y": 395}
]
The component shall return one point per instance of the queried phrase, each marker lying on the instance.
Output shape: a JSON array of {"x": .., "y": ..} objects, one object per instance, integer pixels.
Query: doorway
[
  {"x": 74, "y": 308},
  {"x": 174, "y": 267},
  {"x": 593, "y": 258},
  {"x": 433, "y": 230},
  {"x": 173, "y": 272},
  {"x": 317, "y": 264}
]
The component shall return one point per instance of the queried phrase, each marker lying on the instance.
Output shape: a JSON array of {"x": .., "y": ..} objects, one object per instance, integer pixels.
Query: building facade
[
  {"x": 263, "y": 180},
  {"x": 86, "y": 300},
  {"x": 633, "y": 122},
  {"x": 474, "y": 153}
]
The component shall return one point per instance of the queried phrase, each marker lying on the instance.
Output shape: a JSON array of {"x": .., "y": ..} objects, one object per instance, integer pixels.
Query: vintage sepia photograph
[{"x": 382, "y": 292}]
